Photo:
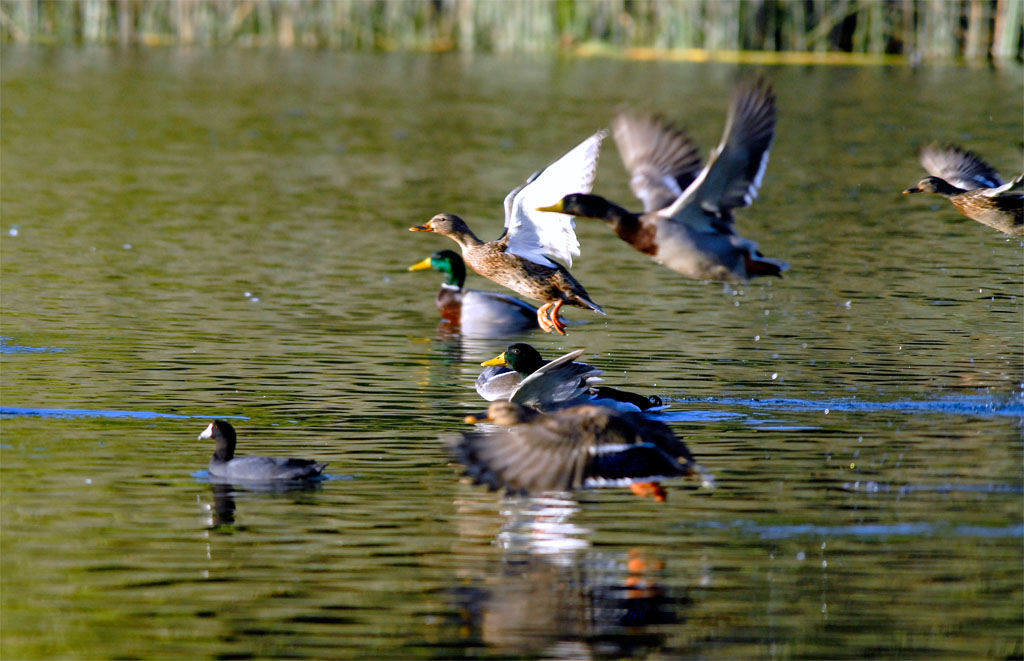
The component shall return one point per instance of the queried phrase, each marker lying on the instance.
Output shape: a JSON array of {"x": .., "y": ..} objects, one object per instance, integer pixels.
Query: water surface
[{"x": 189, "y": 234}]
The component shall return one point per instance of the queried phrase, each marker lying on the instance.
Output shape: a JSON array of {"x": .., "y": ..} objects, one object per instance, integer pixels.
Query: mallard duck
[
  {"x": 523, "y": 258},
  {"x": 575, "y": 448},
  {"x": 546, "y": 385},
  {"x": 974, "y": 187},
  {"x": 226, "y": 465},
  {"x": 475, "y": 308},
  {"x": 687, "y": 222}
]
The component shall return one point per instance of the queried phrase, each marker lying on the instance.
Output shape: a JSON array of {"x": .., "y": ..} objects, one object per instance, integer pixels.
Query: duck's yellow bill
[
  {"x": 425, "y": 227},
  {"x": 497, "y": 360},
  {"x": 474, "y": 419},
  {"x": 421, "y": 266},
  {"x": 556, "y": 207}
]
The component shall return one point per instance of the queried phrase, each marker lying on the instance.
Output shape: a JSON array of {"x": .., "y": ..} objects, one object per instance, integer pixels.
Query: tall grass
[{"x": 969, "y": 29}]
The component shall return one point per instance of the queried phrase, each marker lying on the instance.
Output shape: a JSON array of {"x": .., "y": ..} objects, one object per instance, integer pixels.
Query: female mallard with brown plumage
[
  {"x": 974, "y": 187},
  {"x": 687, "y": 222},
  {"x": 575, "y": 448},
  {"x": 523, "y": 259}
]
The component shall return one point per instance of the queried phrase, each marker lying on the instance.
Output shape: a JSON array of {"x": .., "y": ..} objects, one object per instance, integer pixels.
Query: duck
[
  {"x": 492, "y": 313},
  {"x": 520, "y": 374},
  {"x": 523, "y": 258},
  {"x": 225, "y": 464},
  {"x": 687, "y": 220},
  {"x": 580, "y": 447},
  {"x": 973, "y": 186}
]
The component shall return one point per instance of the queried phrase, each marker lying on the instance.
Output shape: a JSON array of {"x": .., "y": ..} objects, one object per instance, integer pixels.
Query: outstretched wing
[
  {"x": 558, "y": 383},
  {"x": 540, "y": 235},
  {"x": 957, "y": 166},
  {"x": 736, "y": 166},
  {"x": 661, "y": 159}
]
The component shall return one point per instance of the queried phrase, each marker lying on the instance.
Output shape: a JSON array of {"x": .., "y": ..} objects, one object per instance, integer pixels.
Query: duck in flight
[
  {"x": 974, "y": 187},
  {"x": 687, "y": 219},
  {"x": 523, "y": 258}
]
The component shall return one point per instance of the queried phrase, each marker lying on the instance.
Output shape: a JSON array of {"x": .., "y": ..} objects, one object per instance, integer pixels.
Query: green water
[{"x": 194, "y": 234}]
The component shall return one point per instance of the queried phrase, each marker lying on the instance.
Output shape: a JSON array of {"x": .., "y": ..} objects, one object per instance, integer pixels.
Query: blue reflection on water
[
  {"x": 14, "y": 348},
  {"x": 93, "y": 413},
  {"x": 977, "y": 406},
  {"x": 868, "y": 530}
]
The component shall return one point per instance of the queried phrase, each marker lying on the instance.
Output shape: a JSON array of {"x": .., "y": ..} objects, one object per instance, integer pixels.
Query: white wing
[
  {"x": 540, "y": 235},
  {"x": 1012, "y": 190}
]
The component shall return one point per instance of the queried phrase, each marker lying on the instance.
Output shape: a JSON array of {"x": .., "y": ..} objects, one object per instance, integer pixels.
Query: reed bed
[{"x": 869, "y": 30}]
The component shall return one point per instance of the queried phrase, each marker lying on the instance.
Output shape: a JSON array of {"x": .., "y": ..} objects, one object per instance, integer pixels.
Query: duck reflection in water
[{"x": 551, "y": 595}]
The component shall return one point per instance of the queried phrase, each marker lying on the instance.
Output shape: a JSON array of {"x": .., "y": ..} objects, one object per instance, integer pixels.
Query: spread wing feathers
[
  {"x": 583, "y": 447},
  {"x": 735, "y": 168},
  {"x": 661, "y": 159},
  {"x": 957, "y": 166},
  {"x": 541, "y": 235},
  {"x": 558, "y": 382},
  {"x": 1013, "y": 190}
]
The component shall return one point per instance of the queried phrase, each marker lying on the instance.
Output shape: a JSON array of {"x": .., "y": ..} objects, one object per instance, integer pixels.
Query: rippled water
[{"x": 189, "y": 234}]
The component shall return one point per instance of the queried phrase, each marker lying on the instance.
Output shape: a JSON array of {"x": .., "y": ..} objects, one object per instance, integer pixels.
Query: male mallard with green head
[
  {"x": 475, "y": 308},
  {"x": 552, "y": 384}
]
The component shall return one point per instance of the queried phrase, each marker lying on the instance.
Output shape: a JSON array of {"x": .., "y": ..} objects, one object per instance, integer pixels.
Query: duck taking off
[
  {"x": 576, "y": 448},
  {"x": 523, "y": 258}
]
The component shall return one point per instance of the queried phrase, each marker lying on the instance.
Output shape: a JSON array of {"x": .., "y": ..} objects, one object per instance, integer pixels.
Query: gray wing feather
[
  {"x": 957, "y": 166},
  {"x": 661, "y": 159}
]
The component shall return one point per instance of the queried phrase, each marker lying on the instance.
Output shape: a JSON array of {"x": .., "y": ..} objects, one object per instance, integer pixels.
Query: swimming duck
[
  {"x": 576, "y": 448},
  {"x": 973, "y": 186},
  {"x": 522, "y": 259},
  {"x": 546, "y": 385},
  {"x": 687, "y": 222},
  {"x": 474, "y": 308},
  {"x": 226, "y": 465}
]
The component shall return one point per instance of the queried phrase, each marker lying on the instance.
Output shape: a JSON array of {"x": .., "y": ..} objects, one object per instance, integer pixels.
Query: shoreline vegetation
[{"x": 754, "y": 31}]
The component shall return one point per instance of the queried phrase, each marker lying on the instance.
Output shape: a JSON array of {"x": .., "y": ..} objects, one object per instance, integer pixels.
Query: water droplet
[
  {"x": 826, "y": 411},
  {"x": 13, "y": 231},
  {"x": 127, "y": 246},
  {"x": 757, "y": 338},
  {"x": 775, "y": 375},
  {"x": 800, "y": 556}
]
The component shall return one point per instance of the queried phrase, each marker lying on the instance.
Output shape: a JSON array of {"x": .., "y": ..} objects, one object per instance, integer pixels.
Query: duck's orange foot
[
  {"x": 547, "y": 318},
  {"x": 653, "y": 489}
]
